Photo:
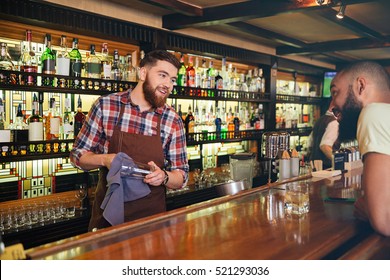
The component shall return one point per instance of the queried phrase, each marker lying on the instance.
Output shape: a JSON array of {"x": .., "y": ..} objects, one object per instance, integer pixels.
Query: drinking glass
[{"x": 81, "y": 194}]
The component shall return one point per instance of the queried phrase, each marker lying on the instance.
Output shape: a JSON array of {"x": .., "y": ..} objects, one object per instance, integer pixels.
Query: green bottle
[
  {"x": 75, "y": 63},
  {"x": 48, "y": 61}
]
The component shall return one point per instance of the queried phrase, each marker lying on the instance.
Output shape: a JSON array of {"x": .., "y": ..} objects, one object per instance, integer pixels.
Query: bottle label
[
  {"x": 63, "y": 66},
  {"x": 68, "y": 128},
  {"x": 35, "y": 131},
  {"x": 106, "y": 71},
  {"x": 75, "y": 68},
  {"x": 54, "y": 125},
  {"x": 93, "y": 68},
  {"x": 49, "y": 66}
]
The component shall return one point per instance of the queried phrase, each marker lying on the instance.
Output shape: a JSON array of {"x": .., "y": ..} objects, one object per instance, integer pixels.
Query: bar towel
[{"x": 120, "y": 190}]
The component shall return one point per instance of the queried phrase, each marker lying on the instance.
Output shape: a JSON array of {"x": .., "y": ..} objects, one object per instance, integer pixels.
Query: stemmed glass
[{"x": 81, "y": 194}]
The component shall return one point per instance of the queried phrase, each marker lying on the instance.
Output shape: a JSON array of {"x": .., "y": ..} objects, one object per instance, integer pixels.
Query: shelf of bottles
[
  {"x": 39, "y": 82},
  {"x": 219, "y": 94}
]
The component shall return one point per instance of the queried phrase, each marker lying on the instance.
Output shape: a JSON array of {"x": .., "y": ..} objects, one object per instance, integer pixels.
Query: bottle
[
  {"x": 116, "y": 73},
  {"x": 28, "y": 60},
  {"x": 5, "y": 59},
  {"x": 35, "y": 122},
  {"x": 131, "y": 71},
  {"x": 210, "y": 78},
  {"x": 189, "y": 122},
  {"x": 179, "y": 112},
  {"x": 262, "y": 81},
  {"x": 63, "y": 61},
  {"x": 75, "y": 63},
  {"x": 182, "y": 74},
  {"x": 93, "y": 64},
  {"x": 48, "y": 61},
  {"x": 79, "y": 117},
  {"x": 218, "y": 81},
  {"x": 6, "y": 64},
  {"x": 19, "y": 129},
  {"x": 52, "y": 121},
  {"x": 2, "y": 117},
  {"x": 67, "y": 121},
  {"x": 260, "y": 123},
  {"x": 218, "y": 124},
  {"x": 198, "y": 76},
  {"x": 190, "y": 72},
  {"x": 106, "y": 63}
]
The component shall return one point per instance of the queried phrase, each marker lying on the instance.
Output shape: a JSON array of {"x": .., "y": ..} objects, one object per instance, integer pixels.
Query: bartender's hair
[
  {"x": 152, "y": 57},
  {"x": 373, "y": 70}
]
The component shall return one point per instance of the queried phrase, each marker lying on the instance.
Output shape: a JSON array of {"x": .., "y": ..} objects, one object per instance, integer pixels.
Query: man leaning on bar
[{"x": 362, "y": 97}]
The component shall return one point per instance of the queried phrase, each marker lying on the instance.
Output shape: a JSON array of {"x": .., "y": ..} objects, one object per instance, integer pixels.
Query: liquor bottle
[
  {"x": 6, "y": 64},
  {"x": 179, "y": 112},
  {"x": 63, "y": 61},
  {"x": 52, "y": 121},
  {"x": 224, "y": 75},
  {"x": 131, "y": 71},
  {"x": 182, "y": 74},
  {"x": 2, "y": 117},
  {"x": 67, "y": 120},
  {"x": 79, "y": 117},
  {"x": 218, "y": 81},
  {"x": 93, "y": 64},
  {"x": 28, "y": 61},
  {"x": 5, "y": 59},
  {"x": 218, "y": 124},
  {"x": 262, "y": 81},
  {"x": 260, "y": 124},
  {"x": 75, "y": 63},
  {"x": 190, "y": 72},
  {"x": 35, "y": 122},
  {"x": 106, "y": 63},
  {"x": 48, "y": 61},
  {"x": 211, "y": 76},
  {"x": 198, "y": 76},
  {"x": 19, "y": 129},
  {"x": 116, "y": 73},
  {"x": 189, "y": 122}
]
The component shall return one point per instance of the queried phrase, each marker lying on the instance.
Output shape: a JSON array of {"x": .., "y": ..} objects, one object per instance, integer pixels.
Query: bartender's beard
[
  {"x": 349, "y": 117},
  {"x": 151, "y": 95}
]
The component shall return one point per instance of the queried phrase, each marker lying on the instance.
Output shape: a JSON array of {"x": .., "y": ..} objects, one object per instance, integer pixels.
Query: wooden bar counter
[{"x": 249, "y": 225}]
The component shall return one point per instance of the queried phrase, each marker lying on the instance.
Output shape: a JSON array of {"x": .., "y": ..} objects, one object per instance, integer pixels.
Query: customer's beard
[
  {"x": 349, "y": 118},
  {"x": 151, "y": 96}
]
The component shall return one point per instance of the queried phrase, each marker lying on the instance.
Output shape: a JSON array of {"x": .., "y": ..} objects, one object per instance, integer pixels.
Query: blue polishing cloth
[{"x": 121, "y": 190}]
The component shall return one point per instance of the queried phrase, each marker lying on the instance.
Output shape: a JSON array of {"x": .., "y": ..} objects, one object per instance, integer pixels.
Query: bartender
[{"x": 139, "y": 124}]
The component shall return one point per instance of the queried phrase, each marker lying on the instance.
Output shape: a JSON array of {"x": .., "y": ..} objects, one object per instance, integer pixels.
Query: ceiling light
[
  {"x": 320, "y": 2},
  {"x": 341, "y": 13}
]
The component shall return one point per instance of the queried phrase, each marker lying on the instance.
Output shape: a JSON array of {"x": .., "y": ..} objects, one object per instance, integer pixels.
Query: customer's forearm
[{"x": 327, "y": 150}]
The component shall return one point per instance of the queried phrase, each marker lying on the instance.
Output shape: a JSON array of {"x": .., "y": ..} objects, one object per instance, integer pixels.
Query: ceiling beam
[
  {"x": 267, "y": 34},
  {"x": 349, "y": 23},
  {"x": 332, "y": 46},
  {"x": 177, "y": 7},
  {"x": 243, "y": 11}
]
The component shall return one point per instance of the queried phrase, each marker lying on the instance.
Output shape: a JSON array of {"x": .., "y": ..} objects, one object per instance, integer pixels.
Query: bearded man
[
  {"x": 141, "y": 125},
  {"x": 361, "y": 95}
]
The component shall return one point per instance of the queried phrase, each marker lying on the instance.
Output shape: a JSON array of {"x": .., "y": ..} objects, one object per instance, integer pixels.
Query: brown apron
[{"x": 142, "y": 149}]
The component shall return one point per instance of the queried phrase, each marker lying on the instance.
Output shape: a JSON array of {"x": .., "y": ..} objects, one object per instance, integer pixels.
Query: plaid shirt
[{"x": 103, "y": 116}]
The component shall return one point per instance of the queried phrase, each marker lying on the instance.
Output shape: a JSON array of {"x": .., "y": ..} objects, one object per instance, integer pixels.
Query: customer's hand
[
  {"x": 360, "y": 210},
  {"x": 156, "y": 178}
]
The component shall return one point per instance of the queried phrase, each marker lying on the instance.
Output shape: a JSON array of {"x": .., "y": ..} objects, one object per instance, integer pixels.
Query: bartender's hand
[
  {"x": 156, "y": 178},
  {"x": 360, "y": 210}
]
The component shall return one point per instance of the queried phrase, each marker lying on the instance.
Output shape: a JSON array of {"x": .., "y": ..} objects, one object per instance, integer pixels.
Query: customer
[
  {"x": 322, "y": 140},
  {"x": 139, "y": 123},
  {"x": 362, "y": 96}
]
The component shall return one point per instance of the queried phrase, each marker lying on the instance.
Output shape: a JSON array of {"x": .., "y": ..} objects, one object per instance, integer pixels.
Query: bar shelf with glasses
[
  {"x": 58, "y": 83},
  {"x": 21, "y": 151}
]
